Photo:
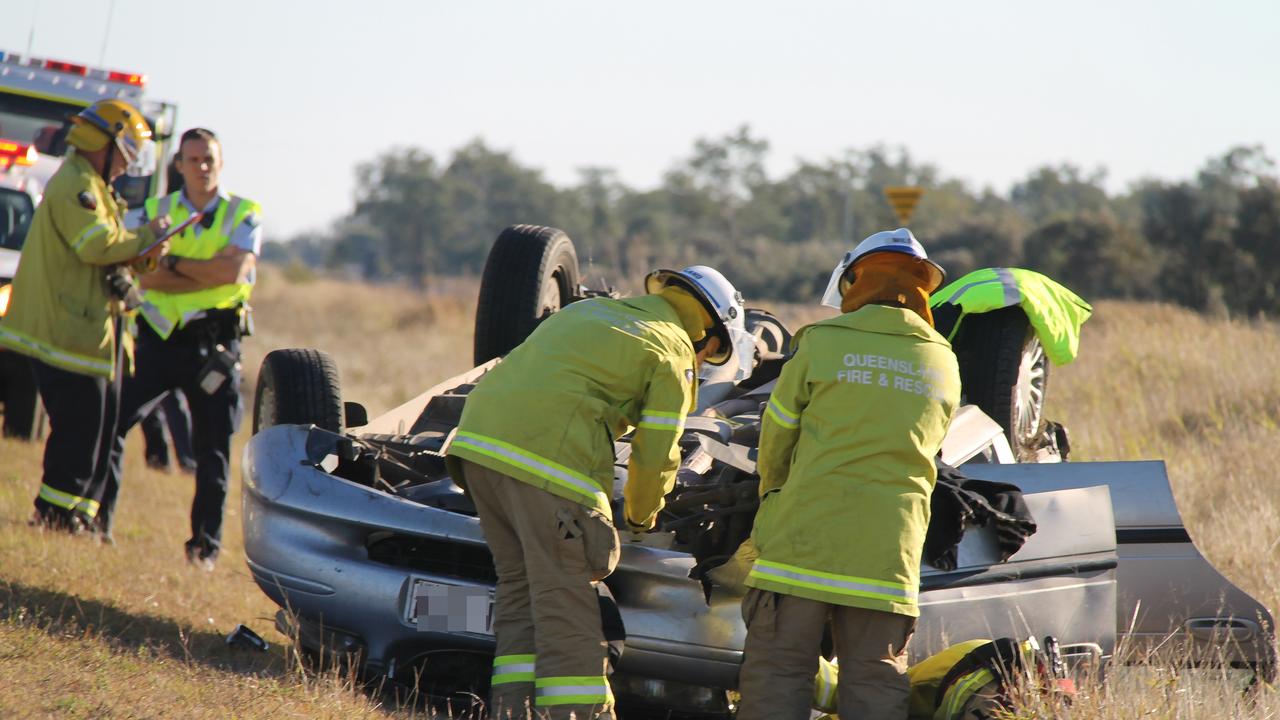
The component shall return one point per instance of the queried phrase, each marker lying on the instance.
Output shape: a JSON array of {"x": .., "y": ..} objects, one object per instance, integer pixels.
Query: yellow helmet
[{"x": 114, "y": 120}]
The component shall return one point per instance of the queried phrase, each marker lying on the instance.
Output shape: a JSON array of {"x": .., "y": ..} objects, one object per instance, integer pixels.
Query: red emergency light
[
  {"x": 15, "y": 153},
  {"x": 127, "y": 78},
  {"x": 66, "y": 67},
  {"x": 115, "y": 76}
]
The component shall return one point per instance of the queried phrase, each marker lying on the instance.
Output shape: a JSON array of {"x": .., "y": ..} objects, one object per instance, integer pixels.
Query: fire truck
[{"x": 38, "y": 97}]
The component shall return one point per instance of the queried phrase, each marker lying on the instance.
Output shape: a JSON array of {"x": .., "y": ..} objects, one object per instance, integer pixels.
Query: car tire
[
  {"x": 298, "y": 387},
  {"x": 1004, "y": 371},
  {"x": 531, "y": 272},
  {"x": 24, "y": 414}
]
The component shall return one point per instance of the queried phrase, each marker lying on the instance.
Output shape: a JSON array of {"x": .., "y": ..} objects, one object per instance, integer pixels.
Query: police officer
[
  {"x": 189, "y": 334},
  {"x": 534, "y": 449},
  {"x": 846, "y": 472},
  {"x": 68, "y": 302}
]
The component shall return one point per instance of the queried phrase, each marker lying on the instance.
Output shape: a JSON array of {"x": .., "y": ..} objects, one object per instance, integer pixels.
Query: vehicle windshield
[
  {"x": 16, "y": 210},
  {"x": 36, "y": 121}
]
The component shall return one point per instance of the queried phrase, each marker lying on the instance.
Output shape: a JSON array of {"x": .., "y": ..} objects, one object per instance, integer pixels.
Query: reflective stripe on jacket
[
  {"x": 60, "y": 312},
  {"x": 167, "y": 311},
  {"x": 549, "y": 412},
  {"x": 846, "y": 459},
  {"x": 1055, "y": 312},
  {"x": 927, "y": 675}
]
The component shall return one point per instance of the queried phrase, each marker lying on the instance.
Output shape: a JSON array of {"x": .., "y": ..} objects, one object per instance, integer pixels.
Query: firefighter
[
  {"x": 535, "y": 450},
  {"x": 69, "y": 300},
  {"x": 192, "y": 320},
  {"x": 846, "y": 472}
]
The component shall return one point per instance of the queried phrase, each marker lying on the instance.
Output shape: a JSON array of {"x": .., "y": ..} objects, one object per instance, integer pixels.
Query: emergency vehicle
[{"x": 38, "y": 96}]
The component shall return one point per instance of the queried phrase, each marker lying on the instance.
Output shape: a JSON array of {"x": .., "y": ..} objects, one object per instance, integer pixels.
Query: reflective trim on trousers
[
  {"x": 513, "y": 669},
  {"x": 571, "y": 690},
  {"x": 782, "y": 415},
  {"x": 831, "y": 582},
  {"x": 67, "y": 501},
  {"x": 540, "y": 466}
]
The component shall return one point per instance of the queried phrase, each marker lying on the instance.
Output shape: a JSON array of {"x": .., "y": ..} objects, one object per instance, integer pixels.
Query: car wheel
[
  {"x": 24, "y": 414},
  {"x": 775, "y": 343},
  {"x": 1004, "y": 371},
  {"x": 531, "y": 272},
  {"x": 298, "y": 387}
]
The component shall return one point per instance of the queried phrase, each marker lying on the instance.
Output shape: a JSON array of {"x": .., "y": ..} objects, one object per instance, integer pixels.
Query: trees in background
[{"x": 1211, "y": 242}]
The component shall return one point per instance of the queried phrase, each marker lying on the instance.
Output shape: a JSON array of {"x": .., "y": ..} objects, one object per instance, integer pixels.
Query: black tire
[
  {"x": 298, "y": 387},
  {"x": 1004, "y": 371},
  {"x": 776, "y": 336},
  {"x": 531, "y": 272},
  {"x": 24, "y": 415}
]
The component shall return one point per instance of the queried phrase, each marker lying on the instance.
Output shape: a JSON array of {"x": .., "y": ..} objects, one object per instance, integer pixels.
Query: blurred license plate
[{"x": 436, "y": 607}]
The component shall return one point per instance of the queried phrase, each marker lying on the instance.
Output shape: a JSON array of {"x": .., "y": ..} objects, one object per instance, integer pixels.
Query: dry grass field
[{"x": 131, "y": 631}]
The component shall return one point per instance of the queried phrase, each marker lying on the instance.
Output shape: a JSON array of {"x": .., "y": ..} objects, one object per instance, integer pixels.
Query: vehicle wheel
[
  {"x": 298, "y": 387},
  {"x": 1004, "y": 371},
  {"x": 24, "y": 415},
  {"x": 776, "y": 337},
  {"x": 775, "y": 343},
  {"x": 531, "y": 272}
]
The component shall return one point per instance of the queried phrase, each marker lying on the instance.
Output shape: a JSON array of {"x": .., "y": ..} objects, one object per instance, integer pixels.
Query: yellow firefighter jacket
[
  {"x": 846, "y": 459},
  {"x": 549, "y": 412},
  {"x": 61, "y": 312}
]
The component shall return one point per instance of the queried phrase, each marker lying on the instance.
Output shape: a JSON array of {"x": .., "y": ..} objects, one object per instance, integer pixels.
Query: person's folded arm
[{"x": 231, "y": 265}]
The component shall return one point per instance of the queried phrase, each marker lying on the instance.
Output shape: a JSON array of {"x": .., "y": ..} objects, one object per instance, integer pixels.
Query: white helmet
[
  {"x": 900, "y": 241},
  {"x": 724, "y": 303}
]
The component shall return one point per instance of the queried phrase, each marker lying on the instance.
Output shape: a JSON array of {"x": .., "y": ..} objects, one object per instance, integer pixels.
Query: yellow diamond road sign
[{"x": 903, "y": 198}]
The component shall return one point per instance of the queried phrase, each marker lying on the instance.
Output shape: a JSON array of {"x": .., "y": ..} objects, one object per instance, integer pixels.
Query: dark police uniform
[{"x": 191, "y": 341}]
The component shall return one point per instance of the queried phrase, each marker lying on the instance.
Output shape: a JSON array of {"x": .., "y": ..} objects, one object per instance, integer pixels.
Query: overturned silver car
[{"x": 353, "y": 526}]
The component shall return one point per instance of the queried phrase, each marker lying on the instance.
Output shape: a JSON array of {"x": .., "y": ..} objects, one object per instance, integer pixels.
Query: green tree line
[{"x": 1211, "y": 242}]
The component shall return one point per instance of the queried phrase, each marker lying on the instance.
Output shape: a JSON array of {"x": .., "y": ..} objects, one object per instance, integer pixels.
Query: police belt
[{"x": 214, "y": 326}]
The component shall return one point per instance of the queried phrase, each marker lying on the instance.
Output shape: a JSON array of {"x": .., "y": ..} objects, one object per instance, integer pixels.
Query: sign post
[{"x": 903, "y": 198}]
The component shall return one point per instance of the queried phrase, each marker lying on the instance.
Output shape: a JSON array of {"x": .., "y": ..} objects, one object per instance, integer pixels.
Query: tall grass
[{"x": 89, "y": 631}]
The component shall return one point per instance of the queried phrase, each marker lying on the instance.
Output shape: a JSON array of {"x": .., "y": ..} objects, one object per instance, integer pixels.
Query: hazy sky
[{"x": 302, "y": 91}]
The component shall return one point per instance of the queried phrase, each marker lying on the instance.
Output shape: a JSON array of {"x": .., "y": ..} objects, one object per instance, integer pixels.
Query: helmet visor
[
  {"x": 832, "y": 296},
  {"x": 739, "y": 352},
  {"x": 140, "y": 156}
]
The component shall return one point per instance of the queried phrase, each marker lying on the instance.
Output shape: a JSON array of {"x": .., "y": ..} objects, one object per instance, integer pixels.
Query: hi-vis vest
[
  {"x": 167, "y": 311},
  {"x": 1055, "y": 312}
]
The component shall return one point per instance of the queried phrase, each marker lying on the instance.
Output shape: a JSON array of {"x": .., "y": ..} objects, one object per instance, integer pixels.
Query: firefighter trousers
[
  {"x": 784, "y": 639},
  {"x": 83, "y": 412},
  {"x": 551, "y": 655}
]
